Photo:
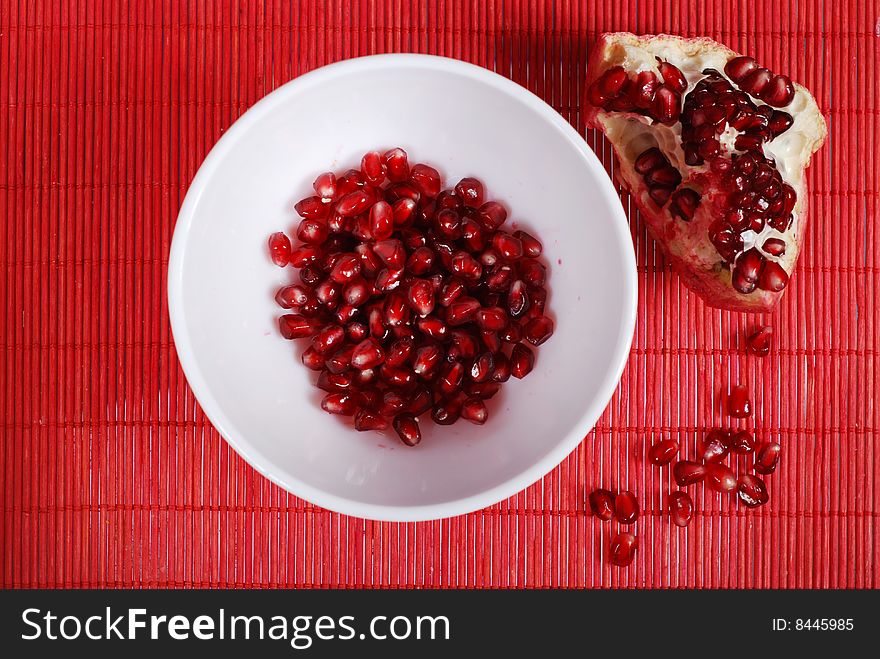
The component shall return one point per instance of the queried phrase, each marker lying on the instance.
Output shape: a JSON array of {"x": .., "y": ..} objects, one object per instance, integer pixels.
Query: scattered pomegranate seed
[
  {"x": 738, "y": 403},
  {"x": 602, "y": 504},
  {"x": 623, "y": 549},
  {"x": 742, "y": 442},
  {"x": 474, "y": 410},
  {"x": 687, "y": 472},
  {"x": 759, "y": 342},
  {"x": 715, "y": 445},
  {"x": 720, "y": 477},
  {"x": 663, "y": 452},
  {"x": 767, "y": 457},
  {"x": 407, "y": 428},
  {"x": 681, "y": 508},
  {"x": 522, "y": 360},
  {"x": 626, "y": 507},
  {"x": 752, "y": 491},
  {"x": 279, "y": 249}
]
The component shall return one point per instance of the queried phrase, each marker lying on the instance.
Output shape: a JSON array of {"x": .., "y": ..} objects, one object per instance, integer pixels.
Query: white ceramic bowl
[{"x": 464, "y": 120}]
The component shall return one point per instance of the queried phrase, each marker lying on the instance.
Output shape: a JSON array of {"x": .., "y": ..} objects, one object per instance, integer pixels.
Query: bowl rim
[{"x": 237, "y": 440}]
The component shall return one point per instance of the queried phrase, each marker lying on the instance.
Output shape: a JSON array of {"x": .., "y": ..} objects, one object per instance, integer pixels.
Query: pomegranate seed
[
  {"x": 368, "y": 420},
  {"x": 345, "y": 404},
  {"x": 602, "y": 504},
  {"x": 464, "y": 265},
  {"x": 462, "y": 310},
  {"x": 684, "y": 204},
  {"x": 492, "y": 319},
  {"x": 340, "y": 360},
  {"x": 474, "y": 410},
  {"x": 672, "y": 76},
  {"x": 329, "y": 338},
  {"x": 686, "y": 472},
  {"x": 355, "y": 203},
  {"x": 334, "y": 382},
  {"x": 279, "y": 249},
  {"x": 448, "y": 224},
  {"x": 660, "y": 195},
  {"x": 532, "y": 272},
  {"x": 313, "y": 231},
  {"x": 649, "y": 160},
  {"x": 399, "y": 351},
  {"x": 421, "y": 401},
  {"x": 407, "y": 428},
  {"x": 759, "y": 342},
  {"x": 522, "y": 360},
  {"x": 472, "y": 236},
  {"x": 508, "y": 247},
  {"x": 373, "y": 168},
  {"x": 626, "y": 507},
  {"x": 518, "y": 299},
  {"x": 325, "y": 186},
  {"x": 538, "y": 330},
  {"x": 484, "y": 390},
  {"x": 663, "y": 452},
  {"x": 420, "y": 261},
  {"x": 643, "y": 90},
  {"x": 312, "y": 208},
  {"x": 470, "y": 191},
  {"x": 767, "y": 457},
  {"x": 305, "y": 255},
  {"x": 667, "y": 105},
  {"x": 773, "y": 277},
  {"x": 752, "y": 491},
  {"x": 489, "y": 257},
  {"x": 612, "y": 81},
  {"x": 391, "y": 252},
  {"x": 403, "y": 211},
  {"x": 715, "y": 445},
  {"x": 491, "y": 341},
  {"x": 367, "y": 354},
  {"x": 532, "y": 247},
  {"x": 451, "y": 200},
  {"x": 738, "y": 403},
  {"x": 356, "y": 332},
  {"x": 451, "y": 291},
  {"x": 747, "y": 270},
  {"x": 755, "y": 82},
  {"x": 501, "y": 373},
  {"x": 492, "y": 215},
  {"x": 426, "y": 179},
  {"x": 779, "y": 92},
  {"x": 780, "y": 122},
  {"x": 720, "y": 477},
  {"x": 426, "y": 361},
  {"x": 432, "y": 327},
  {"x": 396, "y": 164},
  {"x": 499, "y": 279},
  {"x": 482, "y": 367},
  {"x": 356, "y": 292},
  {"x": 396, "y": 377},
  {"x": 346, "y": 268},
  {"x": 463, "y": 346},
  {"x": 420, "y": 296},
  {"x": 350, "y": 181},
  {"x": 388, "y": 280},
  {"x": 739, "y": 67},
  {"x": 451, "y": 378},
  {"x": 313, "y": 359},
  {"x": 681, "y": 508},
  {"x": 381, "y": 220},
  {"x": 623, "y": 549},
  {"x": 292, "y": 296},
  {"x": 742, "y": 442},
  {"x": 446, "y": 412},
  {"x": 294, "y": 326},
  {"x": 396, "y": 310},
  {"x": 392, "y": 403}
]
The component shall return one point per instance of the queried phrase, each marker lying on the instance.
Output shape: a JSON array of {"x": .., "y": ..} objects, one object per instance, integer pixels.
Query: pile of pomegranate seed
[{"x": 414, "y": 298}]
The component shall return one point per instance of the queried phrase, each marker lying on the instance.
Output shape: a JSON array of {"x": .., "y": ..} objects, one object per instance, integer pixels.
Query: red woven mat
[{"x": 111, "y": 475}]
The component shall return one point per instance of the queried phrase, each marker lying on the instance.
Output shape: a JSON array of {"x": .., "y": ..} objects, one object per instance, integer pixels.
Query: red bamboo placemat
[{"x": 112, "y": 476}]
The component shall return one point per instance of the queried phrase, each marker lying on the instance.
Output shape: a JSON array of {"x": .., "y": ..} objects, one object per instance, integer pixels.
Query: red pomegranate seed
[
  {"x": 648, "y": 160},
  {"x": 747, "y": 271},
  {"x": 466, "y": 266},
  {"x": 451, "y": 378},
  {"x": 667, "y": 105},
  {"x": 313, "y": 231},
  {"x": 472, "y": 236},
  {"x": 538, "y": 330},
  {"x": 484, "y": 390},
  {"x": 397, "y": 310},
  {"x": 391, "y": 252},
  {"x": 774, "y": 246},
  {"x": 369, "y": 420},
  {"x": 643, "y": 90},
  {"x": 612, "y": 81},
  {"x": 715, "y": 445},
  {"x": 451, "y": 291},
  {"x": 681, "y": 508},
  {"x": 373, "y": 168},
  {"x": 602, "y": 504},
  {"x": 474, "y": 410},
  {"x": 420, "y": 296},
  {"x": 752, "y": 491},
  {"x": 396, "y": 377},
  {"x": 448, "y": 223},
  {"x": 684, "y": 204},
  {"x": 739, "y": 67},
  {"x": 355, "y": 203},
  {"x": 420, "y": 261},
  {"x": 356, "y": 292},
  {"x": 329, "y": 338},
  {"x": 446, "y": 412},
  {"x": 407, "y": 428},
  {"x": 381, "y": 220},
  {"x": 501, "y": 373},
  {"x": 531, "y": 246},
  {"x": 482, "y": 367},
  {"x": 779, "y": 92},
  {"x": 738, "y": 403},
  {"x": 305, "y": 255},
  {"x": 334, "y": 382},
  {"x": 396, "y": 164},
  {"x": 313, "y": 359},
  {"x": 388, "y": 280},
  {"x": 755, "y": 82},
  {"x": 403, "y": 212},
  {"x": 463, "y": 310},
  {"x": 325, "y": 185},
  {"x": 295, "y": 326},
  {"x": 522, "y": 360},
  {"x": 672, "y": 76},
  {"x": 279, "y": 249},
  {"x": 742, "y": 442},
  {"x": 626, "y": 507},
  {"x": 508, "y": 247},
  {"x": 312, "y": 208},
  {"x": 346, "y": 268},
  {"x": 492, "y": 215},
  {"x": 350, "y": 181},
  {"x": 759, "y": 342},
  {"x": 426, "y": 179},
  {"x": 463, "y": 346},
  {"x": 356, "y": 332},
  {"x": 780, "y": 122},
  {"x": 687, "y": 472},
  {"x": 399, "y": 351},
  {"x": 292, "y": 296},
  {"x": 470, "y": 191},
  {"x": 773, "y": 277},
  {"x": 392, "y": 403},
  {"x": 367, "y": 354},
  {"x": 345, "y": 404},
  {"x": 663, "y": 452},
  {"x": 623, "y": 549},
  {"x": 491, "y": 340},
  {"x": 432, "y": 327},
  {"x": 720, "y": 477},
  {"x": 362, "y": 379},
  {"x": 532, "y": 272},
  {"x": 426, "y": 360},
  {"x": 499, "y": 279},
  {"x": 492, "y": 319},
  {"x": 767, "y": 457},
  {"x": 518, "y": 299},
  {"x": 421, "y": 401},
  {"x": 340, "y": 361}
]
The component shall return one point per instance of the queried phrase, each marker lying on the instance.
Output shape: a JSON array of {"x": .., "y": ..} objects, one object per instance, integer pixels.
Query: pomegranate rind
[{"x": 686, "y": 244}]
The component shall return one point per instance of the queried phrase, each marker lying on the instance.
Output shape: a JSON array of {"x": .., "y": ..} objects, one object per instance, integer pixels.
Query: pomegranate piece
[
  {"x": 720, "y": 477},
  {"x": 623, "y": 549},
  {"x": 767, "y": 457},
  {"x": 279, "y": 249},
  {"x": 704, "y": 161},
  {"x": 602, "y": 504},
  {"x": 752, "y": 491},
  {"x": 663, "y": 452},
  {"x": 626, "y": 507},
  {"x": 715, "y": 446},
  {"x": 687, "y": 472},
  {"x": 738, "y": 403},
  {"x": 681, "y": 508},
  {"x": 759, "y": 342},
  {"x": 407, "y": 428}
]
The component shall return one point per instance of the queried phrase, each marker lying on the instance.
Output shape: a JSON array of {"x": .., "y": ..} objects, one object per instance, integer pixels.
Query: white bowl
[{"x": 464, "y": 120}]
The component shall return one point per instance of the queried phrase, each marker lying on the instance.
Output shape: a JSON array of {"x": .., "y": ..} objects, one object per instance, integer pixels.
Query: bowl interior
[{"x": 464, "y": 121}]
